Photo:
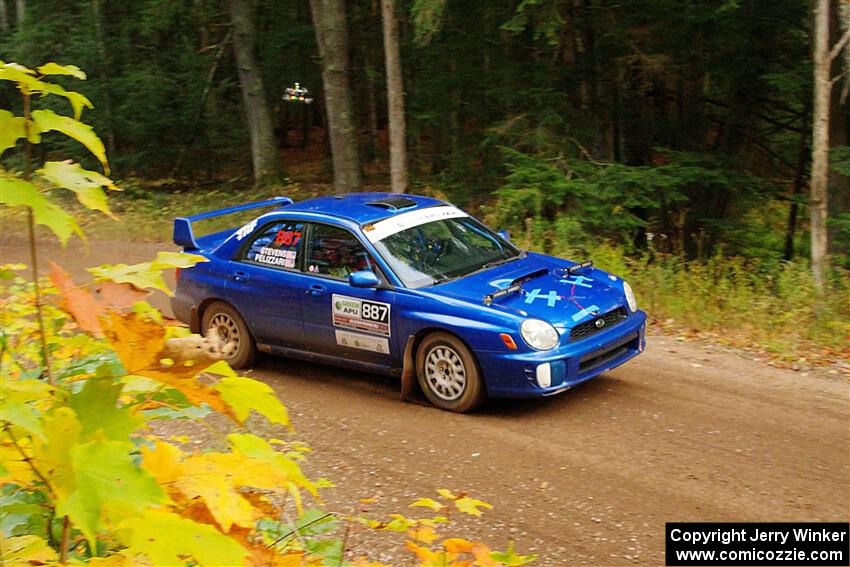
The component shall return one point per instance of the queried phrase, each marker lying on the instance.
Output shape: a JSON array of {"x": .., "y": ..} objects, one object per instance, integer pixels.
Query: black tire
[
  {"x": 448, "y": 373},
  {"x": 240, "y": 348}
]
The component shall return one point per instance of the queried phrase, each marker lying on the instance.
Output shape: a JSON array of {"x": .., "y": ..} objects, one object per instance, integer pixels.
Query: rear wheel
[
  {"x": 237, "y": 344},
  {"x": 448, "y": 373}
]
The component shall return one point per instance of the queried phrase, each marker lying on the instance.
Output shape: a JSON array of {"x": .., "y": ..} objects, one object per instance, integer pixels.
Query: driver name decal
[{"x": 361, "y": 315}]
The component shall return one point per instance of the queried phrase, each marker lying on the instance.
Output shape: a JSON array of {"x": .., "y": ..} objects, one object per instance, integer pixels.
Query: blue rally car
[{"x": 407, "y": 286}]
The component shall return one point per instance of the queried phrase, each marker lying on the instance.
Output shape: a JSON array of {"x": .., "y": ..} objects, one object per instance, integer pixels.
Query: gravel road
[{"x": 685, "y": 432}]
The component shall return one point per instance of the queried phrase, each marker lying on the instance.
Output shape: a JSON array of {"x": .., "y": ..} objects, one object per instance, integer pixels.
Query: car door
[
  {"x": 342, "y": 320},
  {"x": 265, "y": 284}
]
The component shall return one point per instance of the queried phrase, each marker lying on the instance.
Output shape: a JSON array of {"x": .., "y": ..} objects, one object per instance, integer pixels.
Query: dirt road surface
[{"x": 683, "y": 433}]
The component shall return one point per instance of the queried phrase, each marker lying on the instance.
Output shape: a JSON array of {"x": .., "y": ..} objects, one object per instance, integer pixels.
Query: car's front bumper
[{"x": 515, "y": 374}]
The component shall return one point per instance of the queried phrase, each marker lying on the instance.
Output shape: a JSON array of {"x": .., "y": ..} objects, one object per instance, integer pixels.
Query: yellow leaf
[
  {"x": 17, "y": 192},
  {"x": 422, "y": 553},
  {"x": 447, "y": 494},
  {"x": 216, "y": 478},
  {"x": 26, "y": 550},
  {"x": 53, "y": 456},
  {"x": 425, "y": 535},
  {"x": 427, "y": 503},
  {"x": 471, "y": 505},
  {"x": 162, "y": 461},
  {"x": 167, "y": 539},
  {"x": 48, "y": 120},
  {"x": 52, "y": 68},
  {"x": 246, "y": 394}
]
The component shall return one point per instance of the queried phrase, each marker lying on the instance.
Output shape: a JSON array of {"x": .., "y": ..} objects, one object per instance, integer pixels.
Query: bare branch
[{"x": 836, "y": 49}]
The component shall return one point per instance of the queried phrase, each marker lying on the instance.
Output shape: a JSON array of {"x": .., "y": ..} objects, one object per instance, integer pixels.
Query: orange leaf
[
  {"x": 141, "y": 346},
  {"x": 120, "y": 295},
  {"x": 423, "y": 553},
  {"x": 458, "y": 545},
  {"x": 78, "y": 302}
]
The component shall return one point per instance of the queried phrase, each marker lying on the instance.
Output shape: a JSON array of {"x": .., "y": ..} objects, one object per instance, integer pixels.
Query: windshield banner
[{"x": 396, "y": 224}]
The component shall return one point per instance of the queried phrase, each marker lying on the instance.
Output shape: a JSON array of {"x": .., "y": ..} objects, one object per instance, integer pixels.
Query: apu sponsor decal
[
  {"x": 363, "y": 342},
  {"x": 361, "y": 315}
]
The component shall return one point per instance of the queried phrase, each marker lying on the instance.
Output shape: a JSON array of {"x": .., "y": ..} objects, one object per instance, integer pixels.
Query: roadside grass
[{"x": 772, "y": 309}]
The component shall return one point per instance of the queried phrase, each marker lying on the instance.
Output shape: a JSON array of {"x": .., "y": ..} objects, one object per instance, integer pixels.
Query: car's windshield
[{"x": 443, "y": 249}]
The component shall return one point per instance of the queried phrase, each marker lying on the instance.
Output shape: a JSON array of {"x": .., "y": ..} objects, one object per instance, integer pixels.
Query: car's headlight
[
  {"x": 630, "y": 297},
  {"x": 539, "y": 334}
]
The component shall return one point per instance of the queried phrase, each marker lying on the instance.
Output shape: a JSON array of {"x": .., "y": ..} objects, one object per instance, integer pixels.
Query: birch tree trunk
[
  {"x": 395, "y": 99},
  {"x": 264, "y": 154},
  {"x": 820, "y": 142},
  {"x": 331, "y": 28}
]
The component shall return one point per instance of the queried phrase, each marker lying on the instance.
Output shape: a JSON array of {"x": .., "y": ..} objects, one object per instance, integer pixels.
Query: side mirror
[
  {"x": 363, "y": 278},
  {"x": 506, "y": 236}
]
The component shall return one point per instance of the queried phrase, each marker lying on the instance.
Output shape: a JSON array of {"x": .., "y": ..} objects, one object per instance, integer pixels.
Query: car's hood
[{"x": 551, "y": 295}]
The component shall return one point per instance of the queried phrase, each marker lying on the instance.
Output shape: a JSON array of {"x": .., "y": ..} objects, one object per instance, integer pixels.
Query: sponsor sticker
[
  {"x": 275, "y": 257},
  {"x": 361, "y": 315},
  {"x": 246, "y": 230},
  {"x": 363, "y": 342},
  {"x": 398, "y": 223}
]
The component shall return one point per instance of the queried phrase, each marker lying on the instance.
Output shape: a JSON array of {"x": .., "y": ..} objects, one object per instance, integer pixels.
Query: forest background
[{"x": 670, "y": 141}]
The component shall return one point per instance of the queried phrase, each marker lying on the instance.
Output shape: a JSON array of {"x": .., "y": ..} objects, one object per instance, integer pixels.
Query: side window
[
  {"x": 336, "y": 252},
  {"x": 278, "y": 244}
]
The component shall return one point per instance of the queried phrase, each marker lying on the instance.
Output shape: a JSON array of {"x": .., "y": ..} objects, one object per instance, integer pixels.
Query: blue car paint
[{"x": 286, "y": 318}]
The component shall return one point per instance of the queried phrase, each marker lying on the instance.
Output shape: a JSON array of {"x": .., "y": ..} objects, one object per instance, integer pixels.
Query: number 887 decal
[{"x": 361, "y": 315}]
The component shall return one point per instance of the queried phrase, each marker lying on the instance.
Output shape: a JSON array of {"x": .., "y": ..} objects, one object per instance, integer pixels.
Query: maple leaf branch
[{"x": 28, "y": 460}]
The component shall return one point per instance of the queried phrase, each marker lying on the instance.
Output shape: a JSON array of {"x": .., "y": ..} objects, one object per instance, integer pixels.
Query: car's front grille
[{"x": 590, "y": 327}]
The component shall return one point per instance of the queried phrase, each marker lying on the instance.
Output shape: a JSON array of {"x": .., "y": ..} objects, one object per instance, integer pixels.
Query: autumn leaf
[
  {"x": 52, "y": 68},
  {"x": 167, "y": 539},
  {"x": 471, "y": 506},
  {"x": 78, "y": 302},
  {"x": 86, "y": 185},
  {"x": 428, "y": 503},
  {"x": 106, "y": 477},
  {"x": 26, "y": 550},
  {"x": 17, "y": 192},
  {"x": 147, "y": 275},
  {"x": 162, "y": 461},
  {"x": 245, "y": 394},
  {"x": 426, "y": 534},
  {"x": 120, "y": 295},
  {"x": 217, "y": 478},
  {"x": 140, "y": 345},
  {"x": 98, "y": 411},
  {"x": 510, "y": 558},
  {"x": 447, "y": 494},
  {"x": 47, "y": 120},
  {"x": 12, "y": 128}
]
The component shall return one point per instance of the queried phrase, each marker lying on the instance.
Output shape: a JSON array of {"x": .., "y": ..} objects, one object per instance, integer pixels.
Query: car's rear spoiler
[{"x": 183, "y": 235}]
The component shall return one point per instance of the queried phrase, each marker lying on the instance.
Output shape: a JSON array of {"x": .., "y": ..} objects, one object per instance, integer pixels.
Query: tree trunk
[
  {"x": 4, "y": 17},
  {"x": 820, "y": 142},
  {"x": 395, "y": 99},
  {"x": 106, "y": 89},
  {"x": 264, "y": 154},
  {"x": 331, "y": 27},
  {"x": 21, "y": 8}
]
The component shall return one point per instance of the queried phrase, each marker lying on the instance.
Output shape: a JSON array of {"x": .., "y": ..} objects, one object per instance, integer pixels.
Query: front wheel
[
  {"x": 237, "y": 344},
  {"x": 448, "y": 373}
]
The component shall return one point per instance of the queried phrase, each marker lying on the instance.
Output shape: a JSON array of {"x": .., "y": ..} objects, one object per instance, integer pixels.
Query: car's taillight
[{"x": 177, "y": 274}]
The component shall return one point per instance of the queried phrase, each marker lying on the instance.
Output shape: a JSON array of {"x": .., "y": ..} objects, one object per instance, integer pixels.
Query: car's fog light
[{"x": 544, "y": 375}]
